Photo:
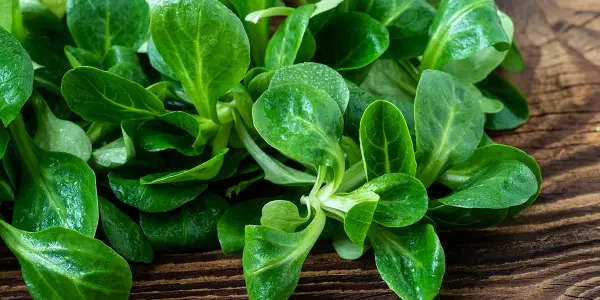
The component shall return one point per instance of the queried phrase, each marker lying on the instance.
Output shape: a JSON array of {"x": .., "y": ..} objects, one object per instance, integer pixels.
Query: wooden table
[{"x": 551, "y": 251}]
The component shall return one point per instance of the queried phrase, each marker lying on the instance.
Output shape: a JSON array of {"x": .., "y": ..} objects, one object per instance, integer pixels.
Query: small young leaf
[
  {"x": 346, "y": 249},
  {"x": 513, "y": 62},
  {"x": 410, "y": 260},
  {"x": 385, "y": 141},
  {"x": 282, "y": 215},
  {"x": 190, "y": 227},
  {"x": 152, "y": 198},
  {"x": 60, "y": 263},
  {"x": 79, "y": 57},
  {"x": 56, "y": 135},
  {"x": 402, "y": 199},
  {"x": 118, "y": 152},
  {"x": 125, "y": 236}
]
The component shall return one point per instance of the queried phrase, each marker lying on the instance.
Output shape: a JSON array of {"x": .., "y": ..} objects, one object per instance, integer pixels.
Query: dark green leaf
[
  {"x": 79, "y": 57},
  {"x": 457, "y": 218},
  {"x": 410, "y": 260},
  {"x": 351, "y": 41},
  {"x": 513, "y": 62},
  {"x": 99, "y": 96},
  {"x": 385, "y": 141},
  {"x": 123, "y": 61},
  {"x": 448, "y": 122},
  {"x": 285, "y": 43},
  {"x": 125, "y": 236},
  {"x": 205, "y": 171},
  {"x": 16, "y": 70},
  {"x": 308, "y": 48},
  {"x": 259, "y": 84},
  {"x": 390, "y": 80},
  {"x": 408, "y": 22},
  {"x": 243, "y": 185},
  {"x": 152, "y": 198},
  {"x": 59, "y": 263},
  {"x": 232, "y": 224},
  {"x": 96, "y": 26},
  {"x": 205, "y": 46},
  {"x": 257, "y": 32},
  {"x": 190, "y": 227},
  {"x": 154, "y": 136},
  {"x": 516, "y": 109}
]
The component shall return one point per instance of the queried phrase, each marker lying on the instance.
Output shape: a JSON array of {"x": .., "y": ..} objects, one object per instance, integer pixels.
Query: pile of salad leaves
[{"x": 361, "y": 123}]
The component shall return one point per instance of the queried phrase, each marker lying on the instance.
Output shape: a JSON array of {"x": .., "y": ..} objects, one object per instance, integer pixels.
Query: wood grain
[{"x": 551, "y": 251}]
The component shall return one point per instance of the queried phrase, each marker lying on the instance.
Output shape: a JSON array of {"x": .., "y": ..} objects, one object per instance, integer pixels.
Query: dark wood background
[{"x": 551, "y": 251}]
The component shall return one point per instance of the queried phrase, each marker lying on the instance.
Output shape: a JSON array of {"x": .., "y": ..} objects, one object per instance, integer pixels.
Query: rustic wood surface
[{"x": 551, "y": 251}]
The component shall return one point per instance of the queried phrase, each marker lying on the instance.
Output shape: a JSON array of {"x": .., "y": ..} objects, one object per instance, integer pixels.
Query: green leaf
[
  {"x": 58, "y": 7},
  {"x": 155, "y": 136},
  {"x": 402, "y": 199},
  {"x": 252, "y": 73},
  {"x": 205, "y": 171},
  {"x": 96, "y": 26},
  {"x": 448, "y": 123},
  {"x": 232, "y": 224},
  {"x": 275, "y": 171},
  {"x": 516, "y": 108},
  {"x": 205, "y": 46},
  {"x": 272, "y": 258},
  {"x": 7, "y": 192},
  {"x": 56, "y": 135},
  {"x": 285, "y": 43},
  {"x": 284, "y": 116},
  {"x": 391, "y": 80},
  {"x": 513, "y": 62},
  {"x": 151, "y": 198},
  {"x": 16, "y": 70},
  {"x": 408, "y": 22},
  {"x": 59, "y": 263},
  {"x": 99, "y": 96},
  {"x": 351, "y": 40},
  {"x": 501, "y": 185},
  {"x": 489, "y": 156},
  {"x": 58, "y": 189},
  {"x": 260, "y": 84},
  {"x": 4, "y": 139},
  {"x": 190, "y": 227},
  {"x": 318, "y": 76},
  {"x": 308, "y": 48},
  {"x": 355, "y": 209},
  {"x": 385, "y": 141},
  {"x": 157, "y": 62},
  {"x": 123, "y": 61},
  {"x": 476, "y": 67},
  {"x": 118, "y": 152},
  {"x": 457, "y": 218},
  {"x": 282, "y": 215},
  {"x": 200, "y": 129},
  {"x": 410, "y": 260},
  {"x": 125, "y": 236},
  {"x": 461, "y": 29},
  {"x": 243, "y": 185},
  {"x": 79, "y": 57},
  {"x": 258, "y": 32},
  {"x": 346, "y": 249},
  {"x": 351, "y": 149}
]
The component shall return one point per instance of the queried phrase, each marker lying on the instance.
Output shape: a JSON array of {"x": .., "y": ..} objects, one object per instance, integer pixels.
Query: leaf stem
[{"x": 23, "y": 142}]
